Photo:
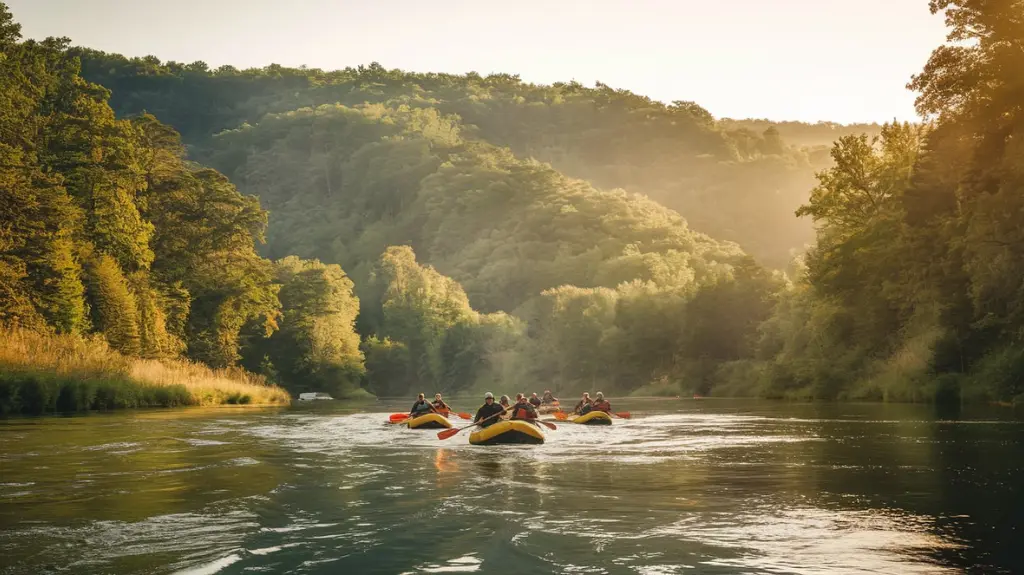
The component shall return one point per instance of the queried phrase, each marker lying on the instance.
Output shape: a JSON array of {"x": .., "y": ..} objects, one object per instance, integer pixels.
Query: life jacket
[
  {"x": 523, "y": 411},
  {"x": 420, "y": 407},
  {"x": 602, "y": 405},
  {"x": 441, "y": 406}
]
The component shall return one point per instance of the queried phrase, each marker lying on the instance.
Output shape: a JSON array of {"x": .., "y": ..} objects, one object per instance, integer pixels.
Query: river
[{"x": 713, "y": 486}]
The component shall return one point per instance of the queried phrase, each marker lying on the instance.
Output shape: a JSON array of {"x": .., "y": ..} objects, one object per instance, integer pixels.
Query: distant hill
[
  {"x": 531, "y": 198},
  {"x": 802, "y": 134},
  {"x": 733, "y": 180}
]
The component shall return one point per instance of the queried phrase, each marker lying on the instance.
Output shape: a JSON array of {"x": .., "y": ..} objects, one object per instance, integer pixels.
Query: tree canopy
[
  {"x": 733, "y": 180},
  {"x": 107, "y": 229},
  {"x": 914, "y": 289}
]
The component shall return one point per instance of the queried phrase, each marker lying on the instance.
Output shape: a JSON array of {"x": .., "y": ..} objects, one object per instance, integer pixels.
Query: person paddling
[
  {"x": 439, "y": 405},
  {"x": 601, "y": 404},
  {"x": 421, "y": 407},
  {"x": 534, "y": 400},
  {"x": 504, "y": 402},
  {"x": 584, "y": 405},
  {"x": 548, "y": 398},
  {"x": 523, "y": 409},
  {"x": 485, "y": 416}
]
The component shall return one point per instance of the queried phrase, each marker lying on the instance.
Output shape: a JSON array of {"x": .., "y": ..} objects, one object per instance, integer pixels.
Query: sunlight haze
[{"x": 805, "y": 60}]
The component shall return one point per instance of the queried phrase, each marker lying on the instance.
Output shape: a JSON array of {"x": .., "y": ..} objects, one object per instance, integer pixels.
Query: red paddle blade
[
  {"x": 464, "y": 415},
  {"x": 623, "y": 414},
  {"x": 447, "y": 433},
  {"x": 398, "y": 417},
  {"x": 560, "y": 416},
  {"x": 549, "y": 425}
]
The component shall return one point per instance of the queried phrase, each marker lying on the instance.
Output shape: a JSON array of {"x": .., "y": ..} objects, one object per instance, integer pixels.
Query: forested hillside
[
  {"x": 914, "y": 289},
  {"x": 585, "y": 271},
  {"x": 738, "y": 181},
  {"x": 108, "y": 230},
  {"x": 818, "y": 137},
  {"x": 157, "y": 255},
  {"x": 494, "y": 235}
]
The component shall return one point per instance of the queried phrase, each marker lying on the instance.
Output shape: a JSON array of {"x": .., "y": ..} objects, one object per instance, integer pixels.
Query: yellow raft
[
  {"x": 429, "y": 421},
  {"x": 513, "y": 431},
  {"x": 594, "y": 418}
]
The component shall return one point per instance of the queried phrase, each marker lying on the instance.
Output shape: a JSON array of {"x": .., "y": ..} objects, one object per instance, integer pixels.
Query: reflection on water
[{"x": 716, "y": 487}]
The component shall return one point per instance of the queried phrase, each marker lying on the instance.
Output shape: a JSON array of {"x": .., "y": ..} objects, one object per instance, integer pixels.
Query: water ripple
[{"x": 668, "y": 491}]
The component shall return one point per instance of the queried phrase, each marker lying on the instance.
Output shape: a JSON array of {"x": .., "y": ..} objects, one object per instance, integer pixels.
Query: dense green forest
[
  {"x": 107, "y": 229},
  {"x": 733, "y": 180},
  {"x": 500, "y": 233},
  {"x": 816, "y": 137},
  {"x": 914, "y": 288},
  {"x": 582, "y": 270}
]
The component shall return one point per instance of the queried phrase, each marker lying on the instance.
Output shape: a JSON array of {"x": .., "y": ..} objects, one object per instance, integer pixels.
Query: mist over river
[{"x": 712, "y": 486}]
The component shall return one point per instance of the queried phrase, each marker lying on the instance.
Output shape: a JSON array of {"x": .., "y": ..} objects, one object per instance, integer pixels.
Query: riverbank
[{"x": 45, "y": 373}]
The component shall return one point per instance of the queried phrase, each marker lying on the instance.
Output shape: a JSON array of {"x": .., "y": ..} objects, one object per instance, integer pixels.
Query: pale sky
[{"x": 839, "y": 60}]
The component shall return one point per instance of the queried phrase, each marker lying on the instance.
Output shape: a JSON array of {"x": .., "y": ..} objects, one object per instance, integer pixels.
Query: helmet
[
  {"x": 533, "y": 395},
  {"x": 586, "y": 394},
  {"x": 504, "y": 399},
  {"x": 437, "y": 396},
  {"x": 600, "y": 395},
  {"x": 519, "y": 396},
  {"x": 488, "y": 395}
]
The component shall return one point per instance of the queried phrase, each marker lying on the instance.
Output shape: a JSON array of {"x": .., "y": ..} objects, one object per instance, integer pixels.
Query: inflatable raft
[
  {"x": 594, "y": 418},
  {"x": 429, "y": 421},
  {"x": 549, "y": 408},
  {"x": 514, "y": 431}
]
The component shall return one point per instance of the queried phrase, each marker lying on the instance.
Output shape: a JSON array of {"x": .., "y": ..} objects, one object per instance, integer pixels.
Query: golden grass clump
[
  {"x": 42, "y": 372},
  {"x": 210, "y": 386},
  {"x": 59, "y": 354}
]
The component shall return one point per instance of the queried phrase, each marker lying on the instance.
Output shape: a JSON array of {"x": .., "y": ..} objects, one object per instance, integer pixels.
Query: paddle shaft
[
  {"x": 564, "y": 416},
  {"x": 448, "y": 432},
  {"x": 396, "y": 417}
]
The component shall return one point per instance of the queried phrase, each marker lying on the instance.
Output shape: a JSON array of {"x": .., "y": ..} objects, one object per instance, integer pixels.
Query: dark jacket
[
  {"x": 535, "y": 401},
  {"x": 549, "y": 399},
  {"x": 486, "y": 411},
  {"x": 523, "y": 410},
  {"x": 581, "y": 405},
  {"x": 420, "y": 408}
]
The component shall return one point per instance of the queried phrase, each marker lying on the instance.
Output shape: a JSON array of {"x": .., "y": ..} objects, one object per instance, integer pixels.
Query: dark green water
[{"x": 683, "y": 487}]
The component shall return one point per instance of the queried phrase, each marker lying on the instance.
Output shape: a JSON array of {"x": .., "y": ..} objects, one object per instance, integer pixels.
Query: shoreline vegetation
[{"x": 53, "y": 373}]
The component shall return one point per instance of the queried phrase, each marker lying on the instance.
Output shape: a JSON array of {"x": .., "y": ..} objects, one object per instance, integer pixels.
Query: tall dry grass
[
  {"x": 48, "y": 372},
  {"x": 210, "y": 386},
  {"x": 60, "y": 354}
]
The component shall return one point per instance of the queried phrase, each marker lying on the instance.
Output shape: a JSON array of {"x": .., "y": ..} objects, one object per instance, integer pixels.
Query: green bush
[
  {"x": 36, "y": 394},
  {"x": 657, "y": 389},
  {"x": 999, "y": 375},
  {"x": 238, "y": 398},
  {"x": 947, "y": 389}
]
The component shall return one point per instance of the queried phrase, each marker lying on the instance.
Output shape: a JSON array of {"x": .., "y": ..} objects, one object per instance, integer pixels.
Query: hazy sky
[{"x": 839, "y": 60}]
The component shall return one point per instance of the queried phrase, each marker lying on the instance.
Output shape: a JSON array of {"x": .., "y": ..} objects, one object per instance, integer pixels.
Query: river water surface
[{"x": 709, "y": 486}]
